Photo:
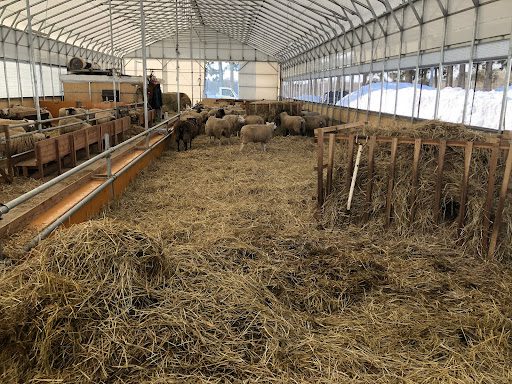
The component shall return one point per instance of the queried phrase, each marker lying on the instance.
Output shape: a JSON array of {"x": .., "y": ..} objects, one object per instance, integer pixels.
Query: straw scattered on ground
[
  {"x": 470, "y": 237},
  {"x": 212, "y": 269}
]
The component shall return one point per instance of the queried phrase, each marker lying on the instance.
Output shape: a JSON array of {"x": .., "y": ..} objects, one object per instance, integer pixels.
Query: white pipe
[
  {"x": 354, "y": 177},
  {"x": 144, "y": 64},
  {"x": 35, "y": 85},
  {"x": 113, "y": 57},
  {"x": 5, "y": 208}
]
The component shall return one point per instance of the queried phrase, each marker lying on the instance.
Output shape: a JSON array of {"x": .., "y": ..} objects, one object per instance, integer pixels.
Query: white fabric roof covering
[{"x": 281, "y": 29}]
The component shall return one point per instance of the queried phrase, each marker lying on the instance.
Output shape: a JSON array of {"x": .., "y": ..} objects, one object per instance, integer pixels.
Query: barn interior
[{"x": 274, "y": 191}]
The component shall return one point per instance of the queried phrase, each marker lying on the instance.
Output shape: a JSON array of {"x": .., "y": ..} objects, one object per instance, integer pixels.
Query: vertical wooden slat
[
  {"x": 57, "y": 155},
  {"x": 350, "y": 161},
  {"x": 87, "y": 149},
  {"x": 100, "y": 138},
  {"x": 415, "y": 178},
  {"x": 7, "y": 136},
  {"x": 330, "y": 162},
  {"x": 468, "y": 153},
  {"x": 371, "y": 166},
  {"x": 39, "y": 160},
  {"x": 72, "y": 151},
  {"x": 391, "y": 180},
  {"x": 498, "y": 215},
  {"x": 320, "y": 168},
  {"x": 439, "y": 181},
  {"x": 491, "y": 181}
]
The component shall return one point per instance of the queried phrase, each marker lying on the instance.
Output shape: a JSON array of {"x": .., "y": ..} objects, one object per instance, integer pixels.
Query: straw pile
[
  {"x": 336, "y": 215},
  {"x": 222, "y": 276}
]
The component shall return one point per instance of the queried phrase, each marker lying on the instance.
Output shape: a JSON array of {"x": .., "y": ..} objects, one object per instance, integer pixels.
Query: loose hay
[
  {"x": 336, "y": 215},
  {"x": 221, "y": 276}
]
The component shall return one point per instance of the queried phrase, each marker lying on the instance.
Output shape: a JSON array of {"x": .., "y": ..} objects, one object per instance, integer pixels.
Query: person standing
[{"x": 155, "y": 96}]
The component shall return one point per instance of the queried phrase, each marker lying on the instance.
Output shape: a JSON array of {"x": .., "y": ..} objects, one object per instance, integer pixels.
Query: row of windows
[
  {"x": 15, "y": 84},
  {"x": 479, "y": 104}
]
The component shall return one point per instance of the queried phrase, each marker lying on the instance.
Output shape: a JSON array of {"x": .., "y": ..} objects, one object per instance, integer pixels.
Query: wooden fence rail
[{"x": 501, "y": 147}]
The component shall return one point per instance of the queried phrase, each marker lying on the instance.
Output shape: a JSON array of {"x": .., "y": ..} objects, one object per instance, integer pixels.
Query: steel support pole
[
  {"x": 471, "y": 60},
  {"x": 441, "y": 63},
  {"x": 503, "y": 113},
  {"x": 144, "y": 63},
  {"x": 177, "y": 59},
  {"x": 35, "y": 85},
  {"x": 113, "y": 57}
]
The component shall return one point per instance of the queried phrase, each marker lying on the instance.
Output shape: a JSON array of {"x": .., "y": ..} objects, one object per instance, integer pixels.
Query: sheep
[
  {"x": 314, "y": 122},
  {"x": 291, "y": 124},
  {"x": 186, "y": 131},
  {"x": 74, "y": 125},
  {"x": 254, "y": 119},
  {"x": 220, "y": 113},
  {"x": 218, "y": 128},
  {"x": 236, "y": 122},
  {"x": 72, "y": 111},
  {"x": 29, "y": 125},
  {"x": 100, "y": 116},
  {"x": 257, "y": 133},
  {"x": 20, "y": 142}
]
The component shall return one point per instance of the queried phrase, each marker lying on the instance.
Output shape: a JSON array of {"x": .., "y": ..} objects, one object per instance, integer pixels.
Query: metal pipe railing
[
  {"x": 62, "y": 219},
  {"x": 7, "y": 207},
  {"x": 85, "y": 114}
]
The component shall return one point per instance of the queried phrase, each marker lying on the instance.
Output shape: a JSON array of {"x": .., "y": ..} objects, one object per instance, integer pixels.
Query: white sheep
[
  {"x": 20, "y": 142},
  {"x": 236, "y": 121},
  {"x": 218, "y": 128},
  {"x": 257, "y": 133},
  {"x": 291, "y": 124},
  {"x": 254, "y": 119},
  {"x": 71, "y": 124},
  {"x": 100, "y": 116}
]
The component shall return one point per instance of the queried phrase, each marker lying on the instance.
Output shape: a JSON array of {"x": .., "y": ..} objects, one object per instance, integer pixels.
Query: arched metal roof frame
[{"x": 282, "y": 29}]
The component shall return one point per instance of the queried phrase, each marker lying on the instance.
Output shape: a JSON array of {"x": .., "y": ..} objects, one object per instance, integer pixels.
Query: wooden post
[
  {"x": 320, "y": 169},
  {"x": 57, "y": 155},
  {"x": 498, "y": 215},
  {"x": 72, "y": 149},
  {"x": 330, "y": 162},
  {"x": 39, "y": 160},
  {"x": 7, "y": 136},
  {"x": 350, "y": 161},
  {"x": 87, "y": 149},
  {"x": 415, "y": 178},
  {"x": 468, "y": 153},
  {"x": 490, "y": 194},
  {"x": 439, "y": 181},
  {"x": 391, "y": 180},
  {"x": 371, "y": 162}
]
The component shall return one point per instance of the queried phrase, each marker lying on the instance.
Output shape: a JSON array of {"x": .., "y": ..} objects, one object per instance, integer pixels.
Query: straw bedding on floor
[{"x": 212, "y": 269}]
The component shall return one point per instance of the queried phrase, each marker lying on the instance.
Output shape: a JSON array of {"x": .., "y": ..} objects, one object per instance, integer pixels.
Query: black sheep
[
  {"x": 220, "y": 113},
  {"x": 186, "y": 131}
]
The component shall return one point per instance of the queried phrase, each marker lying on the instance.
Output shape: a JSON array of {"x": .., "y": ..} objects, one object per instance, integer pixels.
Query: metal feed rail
[{"x": 7, "y": 207}]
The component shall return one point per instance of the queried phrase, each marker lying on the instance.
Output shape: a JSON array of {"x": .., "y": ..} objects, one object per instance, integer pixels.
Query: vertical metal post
[
  {"x": 441, "y": 63},
  {"x": 113, "y": 57},
  {"x": 144, "y": 63},
  {"x": 5, "y": 65},
  {"x": 418, "y": 57},
  {"x": 471, "y": 60},
  {"x": 177, "y": 60},
  {"x": 35, "y": 86},
  {"x": 191, "y": 60},
  {"x": 108, "y": 158},
  {"x": 501, "y": 126}
]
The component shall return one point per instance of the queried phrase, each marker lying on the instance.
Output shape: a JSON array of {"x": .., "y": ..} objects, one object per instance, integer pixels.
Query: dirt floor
[{"x": 270, "y": 296}]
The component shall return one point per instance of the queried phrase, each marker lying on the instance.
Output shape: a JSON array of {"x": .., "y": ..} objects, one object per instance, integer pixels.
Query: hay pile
[
  {"x": 336, "y": 215},
  {"x": 222, "y": 276}
]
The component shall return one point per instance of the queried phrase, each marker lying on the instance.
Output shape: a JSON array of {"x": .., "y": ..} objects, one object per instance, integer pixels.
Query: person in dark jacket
[{"x": 155, "y": 96}]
